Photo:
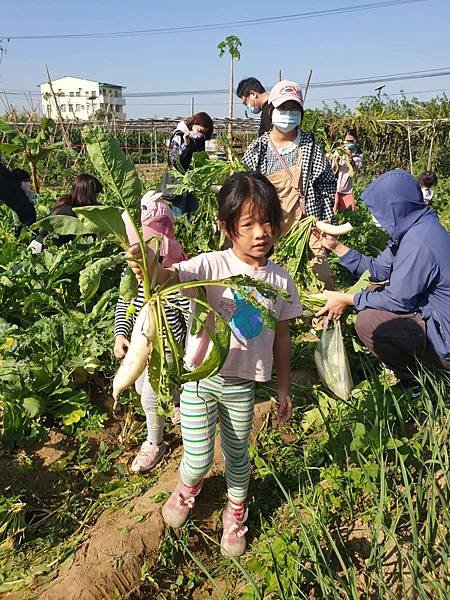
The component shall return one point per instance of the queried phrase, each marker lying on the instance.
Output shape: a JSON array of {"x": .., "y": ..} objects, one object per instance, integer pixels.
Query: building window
[
  {"x": 94, "y": 93},
  {"x": 116, "y": 93},
  {"x": 71, "y": 94},
  {"x": 63, "y": 108},
  {"x": 78, "y": 107},
  {"x": 70, "y": 107},
  {"x": 77, "y": 94}
]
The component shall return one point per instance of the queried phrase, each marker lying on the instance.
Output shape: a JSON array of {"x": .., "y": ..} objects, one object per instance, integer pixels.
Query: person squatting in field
[
  {"x": 84, "y": 192},
  {"x": 156, "y": 220},
  {"x": 250, "y": 216},
  {"x": 254, "y": 97},
  {"x": 188, "y": 137},
  {"x": 407, "y": 318},
  {"x": 297, "y": 167}
]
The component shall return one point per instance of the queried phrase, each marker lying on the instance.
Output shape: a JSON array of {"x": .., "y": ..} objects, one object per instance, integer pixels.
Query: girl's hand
[
  {"x": 285, "y": 407},
  {"x": 133, "y": 256},
  {"x": 186, "y": 138},
  {"x": 337, "y": 304},
  {"x": 121, "y": 345}
]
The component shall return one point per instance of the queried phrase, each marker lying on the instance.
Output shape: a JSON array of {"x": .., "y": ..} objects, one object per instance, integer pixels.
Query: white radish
[
  {"x": 333, "y": 229},
  {"x": 135, "y": 361}
]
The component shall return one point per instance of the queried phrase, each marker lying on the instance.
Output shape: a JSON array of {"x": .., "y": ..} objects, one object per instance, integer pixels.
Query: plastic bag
[{"x": 332, "y": 362}]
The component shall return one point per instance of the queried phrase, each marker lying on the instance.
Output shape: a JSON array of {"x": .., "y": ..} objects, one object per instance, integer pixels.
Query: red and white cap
[{"x": 285, "y": 90}]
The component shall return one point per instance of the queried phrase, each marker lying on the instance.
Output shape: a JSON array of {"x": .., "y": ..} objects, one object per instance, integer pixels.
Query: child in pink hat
[{"x": 157, "y": 220}]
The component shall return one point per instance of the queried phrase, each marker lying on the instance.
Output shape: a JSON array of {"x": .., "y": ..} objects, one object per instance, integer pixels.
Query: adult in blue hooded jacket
[{"x": 409, "y": 316}]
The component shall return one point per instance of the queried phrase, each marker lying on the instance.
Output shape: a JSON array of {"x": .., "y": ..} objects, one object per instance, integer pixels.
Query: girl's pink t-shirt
[{"x": 251, "y": 347}]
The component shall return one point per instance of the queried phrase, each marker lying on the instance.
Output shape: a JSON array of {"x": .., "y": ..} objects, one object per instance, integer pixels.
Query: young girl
[
  {"x": 157, "y": 220},
  {"x": 297, "y": 167},
  {"x": 250, "y": 216}
]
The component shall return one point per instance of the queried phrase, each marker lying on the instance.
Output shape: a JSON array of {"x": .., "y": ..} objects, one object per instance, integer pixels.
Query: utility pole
[
  {"x": 378, "y": 91},
  {"x": 192, "y": 105}
]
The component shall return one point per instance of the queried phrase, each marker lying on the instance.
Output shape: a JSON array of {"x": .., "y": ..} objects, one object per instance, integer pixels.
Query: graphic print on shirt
[{"x": 245, "y": 319}]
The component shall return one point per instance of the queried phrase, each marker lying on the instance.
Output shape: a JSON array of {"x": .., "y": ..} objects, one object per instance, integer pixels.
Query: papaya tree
[{"x": 232, "y": 44}]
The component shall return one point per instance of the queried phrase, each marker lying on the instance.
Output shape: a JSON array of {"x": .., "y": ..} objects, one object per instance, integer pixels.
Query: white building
[{"x": 81, "y": 98}]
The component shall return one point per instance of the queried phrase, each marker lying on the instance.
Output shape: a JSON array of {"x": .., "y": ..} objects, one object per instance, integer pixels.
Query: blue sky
[{"x": 388, "y": 40}]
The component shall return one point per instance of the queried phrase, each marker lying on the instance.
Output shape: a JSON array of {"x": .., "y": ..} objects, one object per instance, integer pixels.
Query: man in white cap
[{"x": 298, "y": 168}]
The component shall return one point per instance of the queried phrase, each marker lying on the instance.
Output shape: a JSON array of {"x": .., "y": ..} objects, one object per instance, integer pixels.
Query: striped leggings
[{"x": 231, "y": 400}]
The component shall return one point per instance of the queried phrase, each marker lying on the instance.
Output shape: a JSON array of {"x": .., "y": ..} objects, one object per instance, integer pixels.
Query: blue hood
[{"x": 396, "y": 201}]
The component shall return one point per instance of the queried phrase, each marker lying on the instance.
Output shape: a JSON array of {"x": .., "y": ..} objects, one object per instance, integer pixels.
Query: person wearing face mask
[
  {"x": 298, "y": 168},
  {"x": 254, "y": 97},
  {"x": 346, "y": 166},
  {"x": 189, "y": 137}
]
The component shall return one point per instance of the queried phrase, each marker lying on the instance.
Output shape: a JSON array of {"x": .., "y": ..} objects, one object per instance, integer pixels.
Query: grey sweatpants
[{"x": 149, "y": 399}]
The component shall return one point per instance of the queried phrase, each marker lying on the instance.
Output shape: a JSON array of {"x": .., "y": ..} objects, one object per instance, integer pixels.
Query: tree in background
[{"x": 232, "y": 44}]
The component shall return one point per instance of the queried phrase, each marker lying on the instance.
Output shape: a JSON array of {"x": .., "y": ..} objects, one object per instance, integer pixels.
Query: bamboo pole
[
  {"x": 410, "y": 149},
  {"x": 58, "y": 110}
]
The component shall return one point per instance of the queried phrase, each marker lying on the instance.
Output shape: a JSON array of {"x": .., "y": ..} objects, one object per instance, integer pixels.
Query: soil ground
[{"x": 108, "y": 563}]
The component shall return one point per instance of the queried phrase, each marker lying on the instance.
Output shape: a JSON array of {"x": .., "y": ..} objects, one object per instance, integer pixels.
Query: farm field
[{"x": 349, "y": 500}]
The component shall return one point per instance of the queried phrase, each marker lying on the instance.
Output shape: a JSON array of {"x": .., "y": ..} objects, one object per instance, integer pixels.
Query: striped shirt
[{"x": 175, "y": 317}]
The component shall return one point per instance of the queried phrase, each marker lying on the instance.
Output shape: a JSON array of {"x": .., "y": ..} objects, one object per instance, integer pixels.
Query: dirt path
[{"x": 108, "y": 564}]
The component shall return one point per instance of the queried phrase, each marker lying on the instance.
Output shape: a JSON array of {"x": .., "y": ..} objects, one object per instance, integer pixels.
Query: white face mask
[
  {"x": 196, "y": 135},
  {"x": 286, "y": 120}
]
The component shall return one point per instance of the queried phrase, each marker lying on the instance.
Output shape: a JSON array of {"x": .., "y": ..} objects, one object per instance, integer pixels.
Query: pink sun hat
[
  {"x": 157, "y": 220},
  {"x": 285, "y": 90}
]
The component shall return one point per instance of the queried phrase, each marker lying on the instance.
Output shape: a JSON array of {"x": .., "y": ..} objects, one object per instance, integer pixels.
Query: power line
[
  {"x": 23, "y": 93},
  {"x": 324, "y": 84},
  {"x": 208, "y": 27}
]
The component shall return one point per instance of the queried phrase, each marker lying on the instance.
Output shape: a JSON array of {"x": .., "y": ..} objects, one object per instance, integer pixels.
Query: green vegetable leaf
[
  {"x": 9, "y": 148},
  {"x": 64, "y": 225},
  {"x": 200, "y": 312},
  {"x": 128, "y": 288},
  {"x": 116, "y": 171},
  {"x": 107, "y": 221},
  {"x": 362, "y": 284},
  {"x": 90, "y": 277},
  {"x": 34, "y": 406},
  {"x": 220, "y": 347},
  {"x": 74, "y": 416}
]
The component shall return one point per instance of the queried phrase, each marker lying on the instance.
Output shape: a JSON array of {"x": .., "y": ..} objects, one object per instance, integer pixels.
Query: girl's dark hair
[
  {"x": 255, "y": 189},
  {"x": 351, "y": 132},
  {"x": 84, "y": 192},
  {"x": 20, "y": 175},
  {"x": 272, "y": 108},
  {"x": 427, "y": 179},
  {"x": 202, "y": 119}
]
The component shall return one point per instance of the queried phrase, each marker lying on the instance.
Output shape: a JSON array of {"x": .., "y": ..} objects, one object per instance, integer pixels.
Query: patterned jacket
[{"x": 320, "y": 195}]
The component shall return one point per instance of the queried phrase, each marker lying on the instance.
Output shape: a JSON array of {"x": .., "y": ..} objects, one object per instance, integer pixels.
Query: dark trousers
[{"x": 398, "y": 340}]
